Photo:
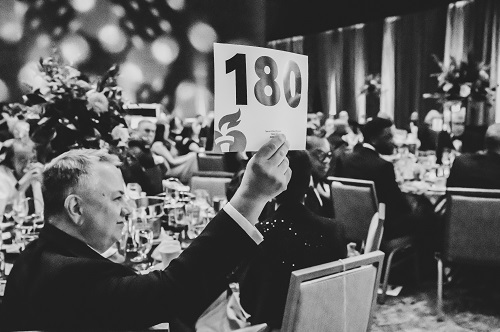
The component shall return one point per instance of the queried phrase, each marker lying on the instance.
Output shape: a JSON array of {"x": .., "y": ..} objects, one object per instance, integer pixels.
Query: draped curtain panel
[
  {"x": 400, "y": 49},
  {"x": 472, "y": 35},
  {"x": 416, "y": 38},
  {"x": 387, "y": 97}
]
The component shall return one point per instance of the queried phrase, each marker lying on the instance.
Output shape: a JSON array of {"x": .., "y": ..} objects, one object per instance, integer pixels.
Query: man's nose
[{"x": 126, "y": 208}]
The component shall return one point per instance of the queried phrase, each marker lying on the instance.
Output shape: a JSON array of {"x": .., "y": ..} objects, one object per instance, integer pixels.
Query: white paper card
[{"x": 259, "y": 92}]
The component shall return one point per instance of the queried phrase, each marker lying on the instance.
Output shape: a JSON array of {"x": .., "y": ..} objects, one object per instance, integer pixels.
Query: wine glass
[
  {"x": 143, "y": 235},
  {"x": 134, "y": 190}
]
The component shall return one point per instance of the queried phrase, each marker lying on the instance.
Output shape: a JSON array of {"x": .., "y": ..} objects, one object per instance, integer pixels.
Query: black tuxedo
[
  {"x": 479, "y": 170},
  {"x": 321, "y": 205},
  {"x": 295, "y": 238},
  {"x": 366, "y": 164},
  {"x": 59, "y": 282}
]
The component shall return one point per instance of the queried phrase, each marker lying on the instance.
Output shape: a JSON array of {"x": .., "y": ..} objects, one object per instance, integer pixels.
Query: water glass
[{"x": 143, "y": 236}]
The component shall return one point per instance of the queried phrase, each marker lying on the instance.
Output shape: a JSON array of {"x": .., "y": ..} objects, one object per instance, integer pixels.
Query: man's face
[
  {"x": 385, "y": 142},
  {"x": 146, "y": 132},
  {"x": 320, "y": 159},
  {"x": 104, "y": 206},
  {"x": 22, "y": 158}
]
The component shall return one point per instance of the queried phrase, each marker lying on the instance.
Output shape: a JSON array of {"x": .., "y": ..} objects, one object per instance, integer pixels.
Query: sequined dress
[{"x": 295, "y": 238}]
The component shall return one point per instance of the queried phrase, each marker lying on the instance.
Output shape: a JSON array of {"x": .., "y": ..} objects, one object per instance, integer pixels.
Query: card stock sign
[{"x": 259, "y": 92}]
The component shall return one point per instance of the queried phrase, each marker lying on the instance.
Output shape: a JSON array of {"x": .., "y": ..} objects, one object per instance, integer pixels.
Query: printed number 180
[{"x": 267, "y": 90}]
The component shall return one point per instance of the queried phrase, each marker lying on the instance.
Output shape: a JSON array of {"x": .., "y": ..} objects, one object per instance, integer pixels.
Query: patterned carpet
[{"x": 472, "y": 308}]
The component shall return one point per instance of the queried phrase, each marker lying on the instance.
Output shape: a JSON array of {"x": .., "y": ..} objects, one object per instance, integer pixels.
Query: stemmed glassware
[
  {"x": 143, "y": 236},
  {"x": 27, "y": 224}
]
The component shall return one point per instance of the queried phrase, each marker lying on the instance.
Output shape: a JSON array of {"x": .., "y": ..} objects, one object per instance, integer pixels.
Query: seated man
[
  {"x": 365, "y": 163},
  {"x": 481, "y": 169},
  {"x": 143, "y": 169},
  {"x": 62, "y": 282},
  {"x": 295, "y": 238},
  {"x": 318, "y": 197}
]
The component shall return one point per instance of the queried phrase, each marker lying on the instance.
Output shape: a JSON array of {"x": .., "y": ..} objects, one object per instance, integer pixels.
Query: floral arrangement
[
  {"x": 67, "y": 111},
  {"x": 372, "y": 85},
  {"x": 462, "y": 80}
]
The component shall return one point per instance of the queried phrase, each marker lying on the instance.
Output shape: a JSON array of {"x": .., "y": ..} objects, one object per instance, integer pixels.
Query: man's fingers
[
  {"x": 288, "y": 175},
  {"x": 283, "y": 165},
  {"x": 270, "y": 148},
  {"x": 280, "y": 154}
]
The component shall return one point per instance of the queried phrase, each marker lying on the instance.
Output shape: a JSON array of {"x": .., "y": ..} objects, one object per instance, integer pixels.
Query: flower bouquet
[
  {"x": 67, "y": 111},
  {"x": 459, "y": 81},
  {"x": 372, "y": 85}
]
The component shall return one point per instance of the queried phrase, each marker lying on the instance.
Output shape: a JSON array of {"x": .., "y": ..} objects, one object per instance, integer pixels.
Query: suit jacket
[
  {"x": 321, "y": 205},
  {"x": 59, "y": 282},
  {"x": 366, "y": 164},
  {"x": 295, "y": 238},
  {"x": 479, "y": 170}
]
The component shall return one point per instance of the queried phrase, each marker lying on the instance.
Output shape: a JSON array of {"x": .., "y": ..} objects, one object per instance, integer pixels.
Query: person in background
[
  {"x": 20, "y": 174},
  {"x": 366, "y": 163},
  {"x": 141, "y": 166},
  {"x": 62, "y": 281},
  {"x": 181, "y": 167},
  {"x": 480, "y": 169},
  {"x": 318, "y": 197},
  {"x": 176, "y": 126},
  {"x": 190, "y": 139},
  {"x": 429, "y": 130},
  {"x": 295, "y": 238}
]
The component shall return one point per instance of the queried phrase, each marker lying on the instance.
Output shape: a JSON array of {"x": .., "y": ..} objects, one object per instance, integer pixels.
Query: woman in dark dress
[{"x": 295, "y": 238}]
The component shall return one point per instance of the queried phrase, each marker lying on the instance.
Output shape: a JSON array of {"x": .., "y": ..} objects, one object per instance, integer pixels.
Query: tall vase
[{"x": 479, "y": 113}]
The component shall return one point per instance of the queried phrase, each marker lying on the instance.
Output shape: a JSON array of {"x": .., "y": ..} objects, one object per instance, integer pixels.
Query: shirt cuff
[{"x": 247, "y": 226}]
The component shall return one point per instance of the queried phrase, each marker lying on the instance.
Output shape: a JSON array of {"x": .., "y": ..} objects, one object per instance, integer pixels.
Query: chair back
[
  {"x": 354, "y": 202},
  {"x": 215, "y": 186},
  {"x": 209, "y": 161},
  {"x": 472, "y": 225},
  {"x": 336, "y": 296},
  {"x": 376, "y": 230}
]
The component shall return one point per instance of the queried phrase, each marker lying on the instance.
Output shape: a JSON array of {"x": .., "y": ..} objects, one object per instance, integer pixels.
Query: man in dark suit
[
  {"x": 318, "y": 198},
  {"x": 366, "y": 163},
  {"x": 481, "y": 169},
  {"x": 62, "y": 281}
]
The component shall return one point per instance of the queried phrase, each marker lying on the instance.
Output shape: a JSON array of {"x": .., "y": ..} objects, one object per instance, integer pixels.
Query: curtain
[
  {"x": 408, "y": 44},
  {"x": 388, "y": 68},
  {"x": 472, "y": 35}
]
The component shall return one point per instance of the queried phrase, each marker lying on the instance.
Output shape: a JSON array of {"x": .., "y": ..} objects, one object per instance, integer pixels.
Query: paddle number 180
[{"x": 267, "y": 91}]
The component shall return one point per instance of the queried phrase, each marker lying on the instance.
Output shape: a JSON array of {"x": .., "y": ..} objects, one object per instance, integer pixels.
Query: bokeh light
[
  {"x": 43, "y": 40},
  {"x": 75, "y": 49},
  {"x": 202, "y": 36},
  {"x": 30, "y": 75},
  {"x": 112, "y": 39},
  {"x": 11, "y": 32},
  {"x": 130, "y": 78},
  {"x": 165, "y": 50},
  {"x": 176, "y": 4},
  {"x": 4, "y": 91},
  {"x": 83, "y": 5}
]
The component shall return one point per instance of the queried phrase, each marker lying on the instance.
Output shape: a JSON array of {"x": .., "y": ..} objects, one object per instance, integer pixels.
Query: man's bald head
[{"x": 492, "y": 138}]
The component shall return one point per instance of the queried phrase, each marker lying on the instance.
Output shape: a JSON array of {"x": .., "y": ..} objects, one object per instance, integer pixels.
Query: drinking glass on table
[{"x": 143, "y": 235}]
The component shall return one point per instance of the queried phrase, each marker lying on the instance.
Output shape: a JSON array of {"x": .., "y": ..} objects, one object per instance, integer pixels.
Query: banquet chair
[
  {"x": 210, "y": 161},
  {"x": 336, "y": 296},
  {"x": 355, "y": 204},
  {"x": 471, "y": 228},
  {"x": 214, "y": 184}
]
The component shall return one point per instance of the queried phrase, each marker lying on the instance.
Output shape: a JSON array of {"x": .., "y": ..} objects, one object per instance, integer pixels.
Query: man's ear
[{"x": 72, "y": 205}]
